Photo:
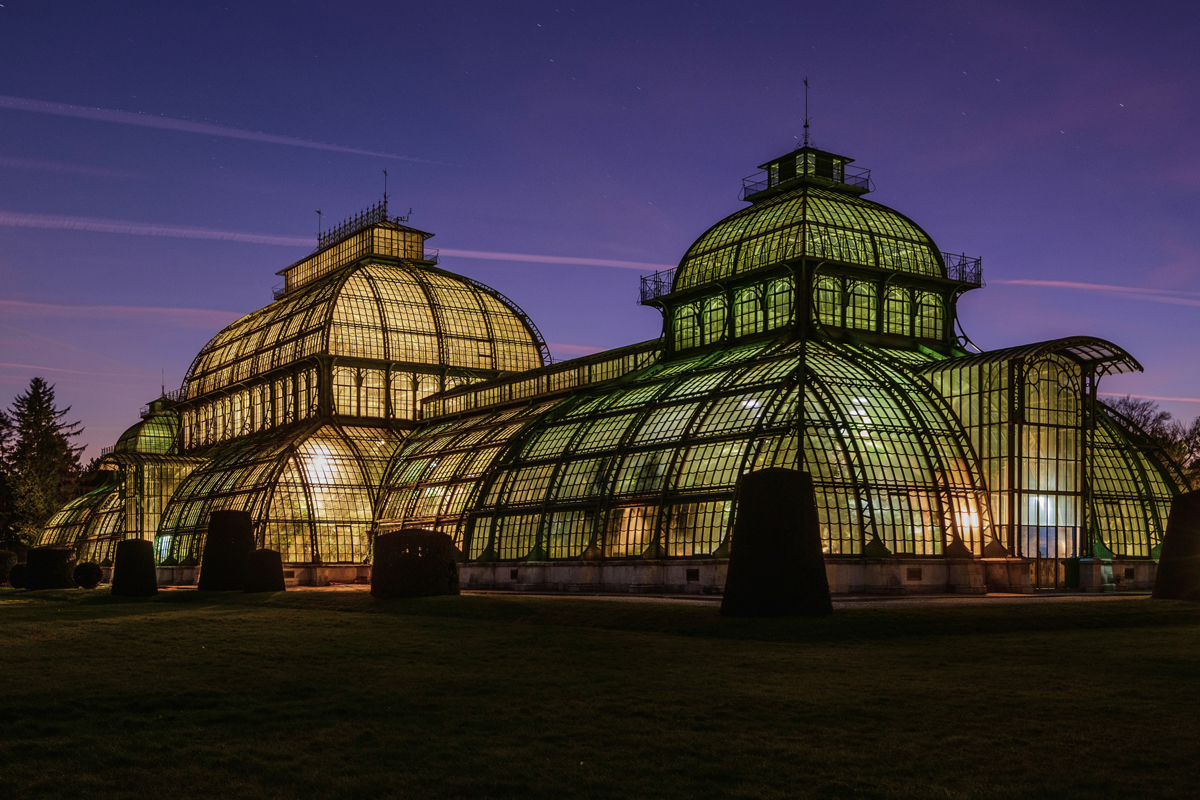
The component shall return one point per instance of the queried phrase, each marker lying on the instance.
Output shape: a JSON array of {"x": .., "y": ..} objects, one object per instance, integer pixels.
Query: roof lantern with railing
[
  {"x": 806, "y": 165},
  {"x": 369, "y": 233}
]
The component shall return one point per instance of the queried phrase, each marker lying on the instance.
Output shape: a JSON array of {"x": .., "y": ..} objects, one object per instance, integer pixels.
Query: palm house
[{"x": 813, "y": 329}]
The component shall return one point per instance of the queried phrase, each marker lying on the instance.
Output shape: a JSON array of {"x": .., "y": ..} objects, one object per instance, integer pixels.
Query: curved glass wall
[
  {"x": 92, "y": 524},
  {"x": 809, "y": 222},
  {"x": 647, "y": 468},
  {"x": 311, "y": 492},
  {"x": 1130, "y": 498}
]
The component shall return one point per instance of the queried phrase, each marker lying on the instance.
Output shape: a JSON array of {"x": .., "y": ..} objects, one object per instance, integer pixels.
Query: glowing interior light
[{"x": 968, "y": 520}]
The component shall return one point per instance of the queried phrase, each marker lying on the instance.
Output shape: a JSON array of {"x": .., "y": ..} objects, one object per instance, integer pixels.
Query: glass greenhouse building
[{"x": 813, "y": 329}]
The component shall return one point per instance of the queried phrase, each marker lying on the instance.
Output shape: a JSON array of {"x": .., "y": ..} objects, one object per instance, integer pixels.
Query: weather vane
[{"x": 807, "y": 141}]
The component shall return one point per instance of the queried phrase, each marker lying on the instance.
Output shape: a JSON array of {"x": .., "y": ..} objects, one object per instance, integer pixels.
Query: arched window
[
  {"x": 897, "y": 312},
  {"x": 747, "y": 311},
  {"x": 861, "y": 308},
  {"x": 687, "y": 327},
  {"x": 716, "y": 310},
  {"x": 930, "y": 316},
  {"x": 829, "y": 301},
  {"x": 779, "y": 303}
]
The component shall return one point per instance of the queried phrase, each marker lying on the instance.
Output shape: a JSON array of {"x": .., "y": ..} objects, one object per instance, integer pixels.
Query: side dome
[
  {"x": 157, "y": 432},
  {"x": 393, "y": 312},
  {"x": 809, "y": 222}
]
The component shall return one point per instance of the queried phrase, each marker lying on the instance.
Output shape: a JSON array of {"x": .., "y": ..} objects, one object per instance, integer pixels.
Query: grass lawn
[{"x": 337, "y": 695}]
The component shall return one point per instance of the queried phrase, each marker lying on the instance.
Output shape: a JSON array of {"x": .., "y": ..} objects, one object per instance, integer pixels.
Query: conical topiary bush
[
  {"x": 264, "y": 572},
  {"x": 776, "y": 566},
  {"x": 227, "y": 548},
  {"x": 414, "y": 563},
  {"x": 134, "y": 574}
]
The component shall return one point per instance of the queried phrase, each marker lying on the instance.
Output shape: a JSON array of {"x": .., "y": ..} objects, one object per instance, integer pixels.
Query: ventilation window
[
  {"x": 1129, "y": 573},
  {"x": 512, "y": 574},
  {"x": 914, "y": 574},
  {"x": 693, "y": 576}
]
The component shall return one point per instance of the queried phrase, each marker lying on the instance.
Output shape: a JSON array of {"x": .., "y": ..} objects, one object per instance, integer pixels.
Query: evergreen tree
[
  {"x": 40, "y": 463},
  {"x": 7, "y": 531}
]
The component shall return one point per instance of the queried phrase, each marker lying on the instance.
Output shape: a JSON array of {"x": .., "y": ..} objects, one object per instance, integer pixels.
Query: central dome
[
  {"x": 811, "y": 222},
  {"x": 392, "y": 312}
]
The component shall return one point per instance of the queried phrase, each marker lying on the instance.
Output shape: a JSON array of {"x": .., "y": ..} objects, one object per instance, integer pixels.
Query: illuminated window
[
  {"x": 779, "y": 303},
  {"x": 687, "y": 327},
  {"x": 898, "y": 312},
  {"x": 716, "y": 310},
  {"x": 860, "y": 308},
  {"x": 829, "y": 301},
  {"x": 929, "y": 317},
  {"x": 747, "y": 311}
]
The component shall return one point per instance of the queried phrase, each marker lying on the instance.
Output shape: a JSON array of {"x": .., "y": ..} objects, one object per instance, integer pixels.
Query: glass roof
[
  {"x": 809, "y": 222},
  {"x": 380, "y": 311},
  {"x": 311, "y": 493},
  {"x": 1104, "y": 357},
  {"x": 650, "y": 465},
  {"x": 92, "y": 524}
]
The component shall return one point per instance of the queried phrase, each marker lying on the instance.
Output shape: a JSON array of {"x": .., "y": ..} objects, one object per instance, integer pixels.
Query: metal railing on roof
[
  {"x": 963, "y": 268},
  {"x": 858, "y": 177},
  {"x": 374, "y": 215},
  {"x": 107, "y": 451},
  {"x": 656, "y": 285},
  {"x": 174, "y": 396}
]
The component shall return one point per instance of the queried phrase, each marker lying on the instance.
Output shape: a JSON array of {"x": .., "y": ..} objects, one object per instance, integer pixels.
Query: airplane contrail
[
  {"x": 54, "y": 166},
  {"x": 1156, "y": 397},
  {"x": 199, "y": 317},
  {"x": 1171, "y": 296},
  {"x": 99, "y": 225},
  {"x": 183, "y": 125}
]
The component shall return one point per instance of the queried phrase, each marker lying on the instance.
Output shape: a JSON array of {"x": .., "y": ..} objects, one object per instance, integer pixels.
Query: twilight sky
[{"x": 159, "y": 162}]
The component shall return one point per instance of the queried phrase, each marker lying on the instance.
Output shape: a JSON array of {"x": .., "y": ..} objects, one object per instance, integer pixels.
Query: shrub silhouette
[
  {"x": 16, "y": 576},
  {"x": 50, "y": 568},
  {"x": 8, "y": 560},
  {"x": 88, "y": 575}
]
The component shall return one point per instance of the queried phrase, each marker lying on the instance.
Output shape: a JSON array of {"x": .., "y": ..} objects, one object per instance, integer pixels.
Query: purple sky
[{"x": 159, "y": 162}]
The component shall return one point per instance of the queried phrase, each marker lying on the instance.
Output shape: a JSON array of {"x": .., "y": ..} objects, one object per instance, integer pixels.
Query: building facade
[{"x": 813, "y": 329}]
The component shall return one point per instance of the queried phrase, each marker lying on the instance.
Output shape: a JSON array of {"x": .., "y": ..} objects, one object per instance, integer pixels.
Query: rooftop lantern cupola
[{"x": 806, "y": 165}]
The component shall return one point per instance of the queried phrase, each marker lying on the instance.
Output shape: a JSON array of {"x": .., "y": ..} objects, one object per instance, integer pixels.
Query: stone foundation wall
[{"x": 899, "y": 576}]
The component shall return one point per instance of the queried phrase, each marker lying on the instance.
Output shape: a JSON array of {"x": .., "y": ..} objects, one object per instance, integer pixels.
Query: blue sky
[{"x": 159, "y": 162}]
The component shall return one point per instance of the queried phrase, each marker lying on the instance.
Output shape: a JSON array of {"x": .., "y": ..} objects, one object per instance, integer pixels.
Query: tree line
[{"x": 1181, "y": 440}]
